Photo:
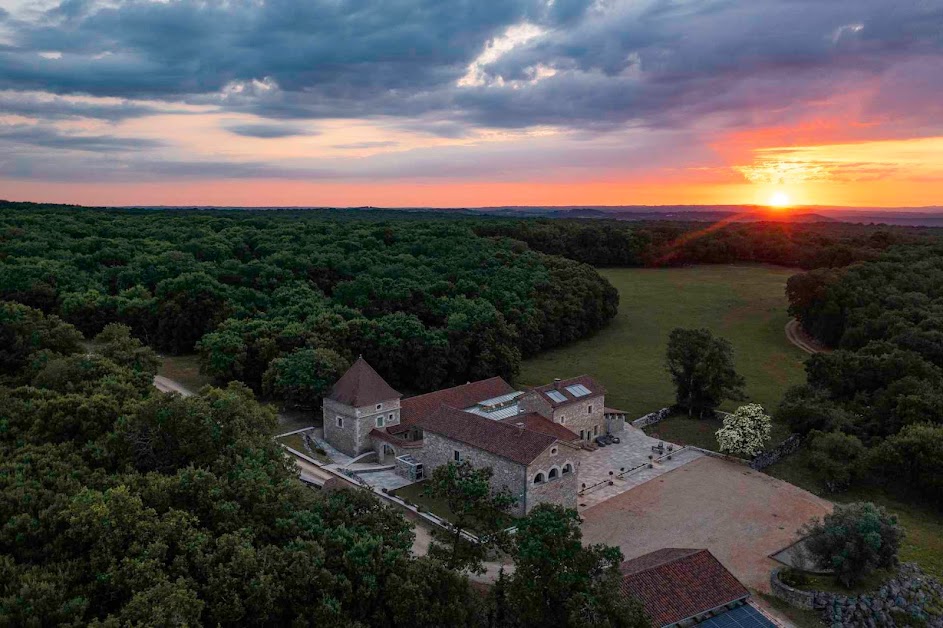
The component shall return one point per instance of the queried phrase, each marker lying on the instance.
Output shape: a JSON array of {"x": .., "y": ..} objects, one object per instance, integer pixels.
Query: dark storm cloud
[
  {"x": 266, "y": 131},
  {"x": 614, "y": 62}
]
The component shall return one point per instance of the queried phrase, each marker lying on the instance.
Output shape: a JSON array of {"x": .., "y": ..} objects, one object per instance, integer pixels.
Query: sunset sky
[{"x": 472, "y": 102}]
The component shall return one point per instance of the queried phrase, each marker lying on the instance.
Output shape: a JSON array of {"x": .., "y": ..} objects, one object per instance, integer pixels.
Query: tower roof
[{"x": 362, "y": 386}]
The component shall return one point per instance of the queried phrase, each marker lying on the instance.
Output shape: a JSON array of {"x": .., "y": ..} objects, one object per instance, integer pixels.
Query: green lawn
[
  {"x": 413, "y": 494},
  {"x": 745, "y": 304}
]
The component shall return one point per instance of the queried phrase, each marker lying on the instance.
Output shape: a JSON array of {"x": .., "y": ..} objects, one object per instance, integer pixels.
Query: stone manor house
[{"x": 532, "y": 439}]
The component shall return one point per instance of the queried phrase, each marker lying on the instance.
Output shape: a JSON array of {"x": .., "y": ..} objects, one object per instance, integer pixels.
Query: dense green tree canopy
[{"x": 427, "y": 302}]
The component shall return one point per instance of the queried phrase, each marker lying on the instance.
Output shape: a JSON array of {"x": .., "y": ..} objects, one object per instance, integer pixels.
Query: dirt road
[
  {"x": 801, "y": 339},
  {"x": 168, "y": 385}
]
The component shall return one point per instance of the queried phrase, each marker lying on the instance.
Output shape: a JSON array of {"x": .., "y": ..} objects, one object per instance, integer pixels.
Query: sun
[{"x": 779, "y": 199}]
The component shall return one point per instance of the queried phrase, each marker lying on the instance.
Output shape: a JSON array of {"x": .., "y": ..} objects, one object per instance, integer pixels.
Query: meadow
[{"x": 746, "y": 304}]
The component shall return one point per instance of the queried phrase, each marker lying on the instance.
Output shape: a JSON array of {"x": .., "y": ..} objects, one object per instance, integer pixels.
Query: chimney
[{"x": 556, "y": 383}]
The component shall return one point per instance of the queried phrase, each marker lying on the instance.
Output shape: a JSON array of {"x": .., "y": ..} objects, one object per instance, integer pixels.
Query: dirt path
[
  {"x": 421, "y": 548},
  {"x": 797, "y": 336},
  {"x": 166, "y": 385}
]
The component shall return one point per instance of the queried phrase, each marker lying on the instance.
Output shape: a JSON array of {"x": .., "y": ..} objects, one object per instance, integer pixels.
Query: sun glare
[{"x": 779, "y": 199}]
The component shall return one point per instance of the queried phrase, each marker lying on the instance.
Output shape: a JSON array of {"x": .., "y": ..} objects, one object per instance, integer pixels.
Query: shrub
[
  {"x": 854, "y": 541},
  {"x": 794, "y": 578},
  {"x": 837, "y": 457},
  {"x": 746, "y": 431}
]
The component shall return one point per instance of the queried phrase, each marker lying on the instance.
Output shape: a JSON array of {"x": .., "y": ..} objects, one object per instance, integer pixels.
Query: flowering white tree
[{"x": 746, "y": 431}]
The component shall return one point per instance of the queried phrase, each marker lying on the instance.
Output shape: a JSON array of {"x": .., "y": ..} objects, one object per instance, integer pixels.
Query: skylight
[
  {"x": 556, "y": 396},
  {"x": 578, "y": 390}
]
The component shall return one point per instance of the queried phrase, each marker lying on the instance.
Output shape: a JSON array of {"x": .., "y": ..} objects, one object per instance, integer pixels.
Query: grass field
[{"x": 745, "y": 304}]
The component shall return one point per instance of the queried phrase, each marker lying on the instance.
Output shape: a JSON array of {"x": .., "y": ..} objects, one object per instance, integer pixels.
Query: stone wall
[
  {"x": 793, "y": 597},
  {"x": 576, "y": 416},
  {"x": 615, "y": 423},
  {"x": 777, "y": 453},
  {"x": 534, "y": 402},
  {"x": 652, "y": 417},
  {"x": 438, "y": 450},
  {"x": 911, "y": 598},
  {"x": 353, "y": 438},
  {"x": 561, "y": 490}
]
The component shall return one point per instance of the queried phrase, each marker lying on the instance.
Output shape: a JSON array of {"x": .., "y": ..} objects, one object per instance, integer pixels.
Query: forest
[
  {"x": 123, "y": 506},
  {"x": 876, "y": 402},
  {"x": 269, "y": 298}
]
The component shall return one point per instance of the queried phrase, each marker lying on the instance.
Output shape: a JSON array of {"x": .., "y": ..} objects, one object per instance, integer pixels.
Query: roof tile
[
  {"x": 362, "y": 386},
  {"x": 674, "y": 584}
]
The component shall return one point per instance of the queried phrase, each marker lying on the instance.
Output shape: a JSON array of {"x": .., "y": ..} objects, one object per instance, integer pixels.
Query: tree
[
  {"x": 702, "y": 369},
  {"x": 746, "y": 431},
  {"x": 559, "y": 583},
  {"x": 854, "y": 541},
  {"x": 468, "y": 493},
  {"x": 914, "y": 455},
  {"x": 838, "y": 458},
  {"x": 302, "y": 377}
]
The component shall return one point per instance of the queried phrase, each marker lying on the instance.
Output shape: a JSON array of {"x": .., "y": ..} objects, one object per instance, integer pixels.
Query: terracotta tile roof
[
  {"x": 508, "y": 441},
  {"x": 614, "y": 411},
  {"x": 463, "y": 396},
  {"x": 594, "y": 387},
  {"x": 674, "y": 584},
  {"x": 362, "y": 386},
  {"x": 536, "y": 423},
  {"x": 388, "y": 437}
]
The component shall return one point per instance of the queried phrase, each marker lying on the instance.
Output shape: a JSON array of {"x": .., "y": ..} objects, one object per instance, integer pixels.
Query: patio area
[{"x": 626, "y": 465}]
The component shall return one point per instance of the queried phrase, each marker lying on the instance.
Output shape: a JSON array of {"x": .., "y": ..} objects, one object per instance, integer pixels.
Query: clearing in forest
[{"x": 745, "y": 304}]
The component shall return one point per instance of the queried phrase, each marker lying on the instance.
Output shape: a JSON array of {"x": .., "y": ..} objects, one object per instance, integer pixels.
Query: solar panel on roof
[
  {"x": 556, "y": 396},
  {"x": 578, "y": 390},
  {"x": 741, "y": 617}
]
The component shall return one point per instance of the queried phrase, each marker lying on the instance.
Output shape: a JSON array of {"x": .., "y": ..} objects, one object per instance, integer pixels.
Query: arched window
[
  {"x": 553, "y": 473},
  {"x": 539, "y": 478},
  {"x": 567, "y": 468}
]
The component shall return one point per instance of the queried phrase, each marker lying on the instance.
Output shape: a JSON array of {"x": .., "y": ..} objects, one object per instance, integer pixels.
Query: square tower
[{"x": 360, "y": 401}]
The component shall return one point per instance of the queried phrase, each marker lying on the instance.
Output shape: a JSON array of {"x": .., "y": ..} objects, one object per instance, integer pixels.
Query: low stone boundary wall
[
  {"x": 777, "y": 453},
  {"x": 793, "y": 597},
  {"x": 652, "y": 418}
]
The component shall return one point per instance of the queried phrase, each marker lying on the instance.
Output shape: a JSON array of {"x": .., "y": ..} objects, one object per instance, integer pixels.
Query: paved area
[
  {"x": 633, "y": 451},
  {"x": 741, "y": 515},
  {"x": 389, "y": 480}
]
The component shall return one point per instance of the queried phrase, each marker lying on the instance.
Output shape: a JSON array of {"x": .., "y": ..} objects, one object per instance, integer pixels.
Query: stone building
[
  {"x": 359, "y": 402},
  {"x": 533, "y": 440},
  {"x": 577, "y": 403}
]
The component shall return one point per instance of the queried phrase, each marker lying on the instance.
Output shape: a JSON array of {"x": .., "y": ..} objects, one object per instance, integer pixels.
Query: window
[
  {"x": 595, "y": 430},
  {"x": 553, "y": 474},
  {"x": 539, "y": 478},
  {"x": 379, "y": 405},
  {"x": 340, "y": 421},
  {"x": 553, "y": 452},
  {"x": 582, "y": 435},
  {"x": 556, "y": 396},
  {"x": 379, "y": 421},
  {"x": 391, "y": 417},
  {"x": 578, "y": 390},
  {"x": 589, "y": 409},
  {"x": 457, "y": 455},
  {"x": 567, "y": 468}
]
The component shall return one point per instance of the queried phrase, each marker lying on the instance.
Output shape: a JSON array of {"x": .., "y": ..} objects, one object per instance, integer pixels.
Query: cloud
[
  {"x": 47, "y": 137},
  {"x": 53, "y": 107},
  {"x": 361, "y": 145},
  {"x": 266, "y": 131}
]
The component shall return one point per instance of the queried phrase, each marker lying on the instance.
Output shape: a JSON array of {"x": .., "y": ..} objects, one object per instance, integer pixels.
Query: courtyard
[{"x": 742, "y": 516}]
